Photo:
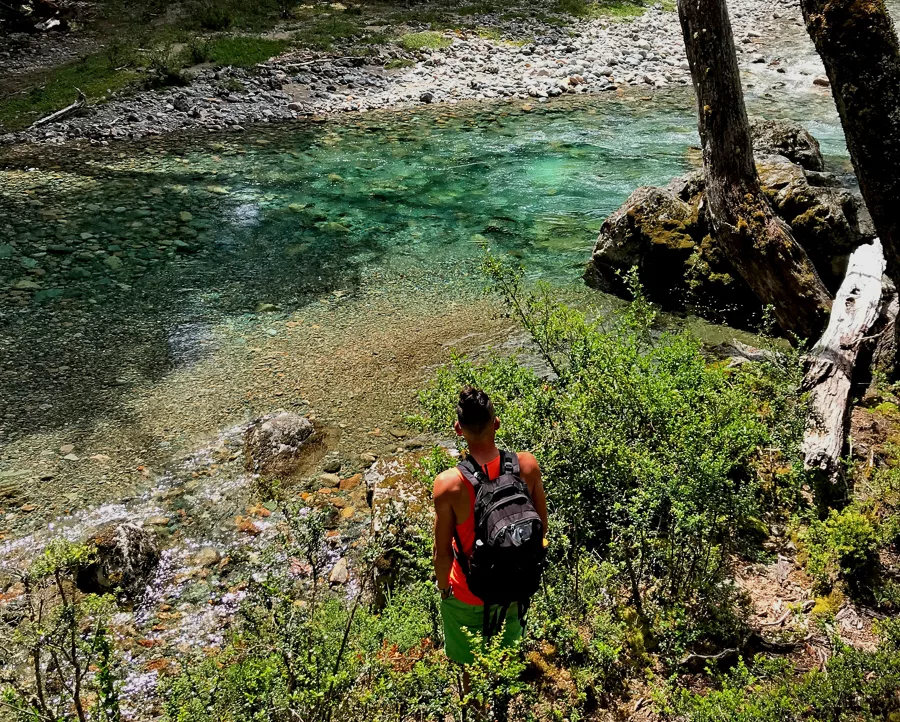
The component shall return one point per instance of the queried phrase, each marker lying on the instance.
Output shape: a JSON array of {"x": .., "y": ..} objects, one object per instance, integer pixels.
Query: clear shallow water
[{"x": 117, "y": 260}]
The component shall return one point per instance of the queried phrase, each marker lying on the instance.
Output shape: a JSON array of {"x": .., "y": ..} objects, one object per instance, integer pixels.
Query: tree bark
[
  {"x": 832, "y": 361},
  {"x": 759, "y": 245},
  {"x": 858, "y": 45}
]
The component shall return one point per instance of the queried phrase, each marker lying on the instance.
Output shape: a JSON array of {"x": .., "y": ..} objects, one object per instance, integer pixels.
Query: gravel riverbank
[{"x": 591, "y": 56}]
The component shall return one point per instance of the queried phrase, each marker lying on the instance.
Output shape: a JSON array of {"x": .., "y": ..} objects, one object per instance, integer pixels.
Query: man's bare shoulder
[
  {"x": 528, "y": 464},
  {"x": 447, "y": 484}
]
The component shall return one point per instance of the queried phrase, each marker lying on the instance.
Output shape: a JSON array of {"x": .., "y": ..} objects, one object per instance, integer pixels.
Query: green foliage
[
  {"x": 428, "y": 39},
  {"x": 240, "y": 51},
  {"x": 399, "y": 64},
  {"x": 647, "y": 451},
  {"x": 164, "y": 66},
  {"x": 842, "y": 547},
  {"x": 496, "y": 681},
  {"x": 322, "y": 32},
  {"x": 303, "y": 651},
  {"x": 855, "y": 686},
  {"x": 58, "y": 653},
  {"x": 54, "y": 89},
  {"x": 579, "y": 627},
  {"x": 604, "y": 8},
  {"x": 212, "y": 14}
]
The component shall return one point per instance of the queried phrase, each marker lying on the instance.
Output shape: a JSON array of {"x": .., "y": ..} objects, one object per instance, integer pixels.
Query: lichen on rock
[{"x": 665, "y": 233}]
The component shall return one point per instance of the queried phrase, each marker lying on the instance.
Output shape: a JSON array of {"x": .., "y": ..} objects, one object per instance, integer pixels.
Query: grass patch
[
  {"x": 322, "y": 33},
  {"x": 399, "y": 64},
  {"x": 238, "y": 51},
  {"x": 55, "y": 89},
  {"x": 425, "y": 40},
  {"x": 604, "y": 8},
  {"x": 489, "y": 34},
  {"x": 481, "y": 8}
]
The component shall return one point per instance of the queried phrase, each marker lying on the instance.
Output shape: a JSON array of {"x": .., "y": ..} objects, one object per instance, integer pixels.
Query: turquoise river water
[{"x": 122, "y": 266}]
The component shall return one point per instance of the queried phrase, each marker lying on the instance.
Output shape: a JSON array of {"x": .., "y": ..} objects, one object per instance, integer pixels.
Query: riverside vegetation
[{"x": 666, "y": 472}]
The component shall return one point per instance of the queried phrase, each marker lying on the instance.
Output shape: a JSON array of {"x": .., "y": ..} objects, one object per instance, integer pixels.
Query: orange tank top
[{"x": 466, "y": 534}]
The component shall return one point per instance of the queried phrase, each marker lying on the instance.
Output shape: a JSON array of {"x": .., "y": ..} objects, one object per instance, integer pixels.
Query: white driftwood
[
  {"x": 60, "y": 114},
  {"x": 831, "y": 361}
]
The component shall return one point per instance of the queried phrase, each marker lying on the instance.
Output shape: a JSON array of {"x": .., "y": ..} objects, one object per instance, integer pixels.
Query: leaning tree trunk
[
  {"x": 858, "y": 45},
  {"x": 759, "y": 245}
]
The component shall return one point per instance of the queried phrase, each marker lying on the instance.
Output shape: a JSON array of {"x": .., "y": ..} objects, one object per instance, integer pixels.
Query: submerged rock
[
  {"x": 665, "y": 233},
  {"x": 127, "y": 555}
]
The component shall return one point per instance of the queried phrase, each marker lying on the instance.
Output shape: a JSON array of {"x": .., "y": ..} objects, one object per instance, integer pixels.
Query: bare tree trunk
[
  {"x": 832, "y": 361},
  {"x": 759, "y": 245},
  {"x": 858, "y": 45}
]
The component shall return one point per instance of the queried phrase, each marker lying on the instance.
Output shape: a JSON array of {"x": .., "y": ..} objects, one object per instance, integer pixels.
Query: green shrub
[
  {"x": 303, "y": 651},
  {"x": 842, "y": 547},
  {"x": 647, "y": 451},
  {"x": 428, "y": 39},
  {"x": 165, "y": 66},
  {"x": 212, "y": 14},
  {"x": 855, "y": 686},
  {"x": 58, "y": 658}
]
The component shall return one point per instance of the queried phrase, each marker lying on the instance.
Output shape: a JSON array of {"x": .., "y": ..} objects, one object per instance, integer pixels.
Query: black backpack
[{"x": 508, "y": 554}]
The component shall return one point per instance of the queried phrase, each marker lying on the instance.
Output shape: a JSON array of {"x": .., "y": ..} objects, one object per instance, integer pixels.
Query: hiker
[{"x": 490, "y": 523}]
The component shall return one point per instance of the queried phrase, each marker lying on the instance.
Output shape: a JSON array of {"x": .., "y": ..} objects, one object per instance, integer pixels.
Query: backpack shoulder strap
[
  {"x": 469, "y": 468},
  {"x": 509, "y": 463}
]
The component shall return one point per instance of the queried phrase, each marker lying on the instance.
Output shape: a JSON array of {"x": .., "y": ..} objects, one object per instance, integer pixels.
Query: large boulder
[
  {"x": 276, "y": 444},
  {"x": 664, "y": 232},
  {"x": 784, "y": 138},
  {"x": 126, "y": 558}
]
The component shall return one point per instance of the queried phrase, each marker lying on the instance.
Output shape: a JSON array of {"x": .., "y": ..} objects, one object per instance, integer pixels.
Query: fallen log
[
  {"x": 832, "y": 360},
  {"x": 64, "y": 113}
]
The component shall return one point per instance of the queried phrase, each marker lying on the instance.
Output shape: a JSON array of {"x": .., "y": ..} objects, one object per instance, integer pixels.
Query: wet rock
[
  {"x": 784, "y": 138},
  {"x": 127, "y": 555},
  {"x": 274, "y": 444}
]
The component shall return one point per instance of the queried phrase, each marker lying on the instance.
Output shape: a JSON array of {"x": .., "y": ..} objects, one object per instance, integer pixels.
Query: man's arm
[
  {"x": 531, "y": 475},
  {"x": 444, "y": 524}
]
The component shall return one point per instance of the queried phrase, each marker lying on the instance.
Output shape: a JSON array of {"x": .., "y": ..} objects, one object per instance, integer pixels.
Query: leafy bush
[
  {"x": 58, "y": 657},
  {"x": 164, "y": 66},
  {"x": 842, "y": 547},
  {"x": 212, "y": 14},
  {"x": 855, "y": 685},
  {"x": 647, "y": 450},
  {"x": 303, "y": 651}
]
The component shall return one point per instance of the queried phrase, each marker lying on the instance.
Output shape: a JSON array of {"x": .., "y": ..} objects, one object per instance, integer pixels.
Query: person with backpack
[{"x": 489, "y": 529}]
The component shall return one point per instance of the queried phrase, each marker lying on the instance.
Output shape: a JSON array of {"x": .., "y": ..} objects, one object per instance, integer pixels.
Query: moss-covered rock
[
  {"x": 664, "y": 232},
  {"x": 787, "y": 139}
]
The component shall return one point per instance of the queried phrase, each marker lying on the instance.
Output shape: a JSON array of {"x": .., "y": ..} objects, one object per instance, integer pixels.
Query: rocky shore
[{"x": 590, "y": 56}]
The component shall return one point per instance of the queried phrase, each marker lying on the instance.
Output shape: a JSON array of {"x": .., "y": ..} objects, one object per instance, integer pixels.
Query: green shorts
[{"x": 458, "y": 615}]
